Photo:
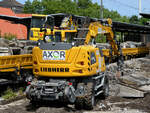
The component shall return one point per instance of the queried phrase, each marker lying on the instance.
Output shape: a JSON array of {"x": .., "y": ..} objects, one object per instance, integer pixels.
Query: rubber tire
[
  {"x": 34, "y": 103},
  {"x": 89, "y": 99},
  {"x": 79, "y": 103}
]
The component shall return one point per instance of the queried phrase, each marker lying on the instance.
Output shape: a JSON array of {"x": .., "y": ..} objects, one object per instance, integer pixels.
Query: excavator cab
[
  {"x": 54, "y": 31},
  {"x": 47, "y": 28},
  {"x": 40, "y": 25}
]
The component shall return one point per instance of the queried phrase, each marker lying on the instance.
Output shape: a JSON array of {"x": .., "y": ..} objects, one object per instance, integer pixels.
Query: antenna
[
  {"x": 101, "y": 9},
  {"x": 140, "y": 8}
]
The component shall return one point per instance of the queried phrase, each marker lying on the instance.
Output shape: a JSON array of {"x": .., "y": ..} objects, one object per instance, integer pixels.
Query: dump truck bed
[
  {"x": 128, "y": 51},
  {"x": 15, "y": 62}
]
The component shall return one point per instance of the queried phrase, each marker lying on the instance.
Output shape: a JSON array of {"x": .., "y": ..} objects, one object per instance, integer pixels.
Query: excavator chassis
[
  {"x": 52, "y": 90},
  {"x": 71, "y": 90}
]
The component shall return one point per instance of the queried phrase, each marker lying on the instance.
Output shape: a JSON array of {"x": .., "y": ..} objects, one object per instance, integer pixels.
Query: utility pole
[
  {"x": 140, "y": 8},
  {"x": 101, "y": 9}
]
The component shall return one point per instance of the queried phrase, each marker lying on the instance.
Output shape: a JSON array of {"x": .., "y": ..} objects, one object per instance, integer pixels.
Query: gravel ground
[{"x": 112, "y": 104}]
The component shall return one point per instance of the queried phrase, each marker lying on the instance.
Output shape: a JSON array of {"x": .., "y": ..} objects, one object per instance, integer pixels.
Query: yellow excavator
[{"x": 70, "y": 72}]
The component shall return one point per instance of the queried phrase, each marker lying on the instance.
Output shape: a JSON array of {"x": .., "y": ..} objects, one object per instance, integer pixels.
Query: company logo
[{"x": 54, "y": 55}]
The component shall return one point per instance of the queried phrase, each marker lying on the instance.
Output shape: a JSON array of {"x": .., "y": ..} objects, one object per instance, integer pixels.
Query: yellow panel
[
  {"x": 38, "y": 15},
  {"x": 13, "y": 62},
  {"x": 76, "y": 64}
]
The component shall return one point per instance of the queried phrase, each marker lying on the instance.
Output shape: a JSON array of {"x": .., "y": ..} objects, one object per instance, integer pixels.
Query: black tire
[
  {"x": 79, "y": 103},
  {"x": 35, "y": 103},
  {"x": 79, "y": 100},
  {"x": 89, "y": 99}
]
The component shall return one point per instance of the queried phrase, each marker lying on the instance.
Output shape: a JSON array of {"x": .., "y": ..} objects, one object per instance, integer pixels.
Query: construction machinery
[
  {"x": 36, "y": 23},
  {"x": 60, "y": 29},
  {"x": 72, "y": 73}
]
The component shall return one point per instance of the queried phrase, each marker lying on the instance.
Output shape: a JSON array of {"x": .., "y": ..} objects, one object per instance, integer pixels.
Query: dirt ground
[{"x": 112, "y": 104}]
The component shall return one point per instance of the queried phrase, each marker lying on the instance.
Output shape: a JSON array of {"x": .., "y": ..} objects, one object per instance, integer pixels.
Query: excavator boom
[{"x": 96, "y": 28}]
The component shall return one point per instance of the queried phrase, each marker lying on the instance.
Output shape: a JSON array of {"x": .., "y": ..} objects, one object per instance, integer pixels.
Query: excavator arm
[{"x": 96, "y": 28}]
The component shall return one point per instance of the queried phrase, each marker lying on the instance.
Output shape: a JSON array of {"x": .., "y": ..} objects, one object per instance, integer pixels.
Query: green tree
[
  {"x": 37, "y": 7},
  {"x": 33, "y": 7},
  {"x": 124, "y": 19},
  {"x": 77, "y": 7},
  {"x": 134, "y": 19},
  {"x": 143, "y": 21},
  {"x": 83, "y": 3},
  {"x": 28, "y": 7}
]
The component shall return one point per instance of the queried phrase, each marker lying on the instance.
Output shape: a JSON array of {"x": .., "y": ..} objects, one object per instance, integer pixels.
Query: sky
[
  {"x": 123, "y": 7},
  {"x": 126, "y": 7}
]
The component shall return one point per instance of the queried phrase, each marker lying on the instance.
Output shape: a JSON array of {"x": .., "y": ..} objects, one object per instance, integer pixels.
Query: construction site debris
[
  {"x": 135, "y": 81},
  {"x": 127, "y": 44},
  {"x": 15, "y": 47}
]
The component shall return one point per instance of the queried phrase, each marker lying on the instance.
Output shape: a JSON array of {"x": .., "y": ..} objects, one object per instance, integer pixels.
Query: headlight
[
  {"x": 38, "y": 43},
  {"x": 73, "y": 44},
  {"x": 47, "y": 38}
]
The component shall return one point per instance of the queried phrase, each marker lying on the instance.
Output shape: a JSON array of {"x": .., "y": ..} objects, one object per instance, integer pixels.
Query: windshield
[
  {"x": 38, "y": 22},
  {"x": 49, "y": 23}
]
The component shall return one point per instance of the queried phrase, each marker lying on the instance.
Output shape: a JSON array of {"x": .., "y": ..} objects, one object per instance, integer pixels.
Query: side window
[{"x": 93, "y": 58}]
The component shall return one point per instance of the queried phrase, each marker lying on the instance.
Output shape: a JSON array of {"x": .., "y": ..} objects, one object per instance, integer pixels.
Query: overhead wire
[
  {"x": 126, "y": 5},
  {"x": 129, "y": 6}
]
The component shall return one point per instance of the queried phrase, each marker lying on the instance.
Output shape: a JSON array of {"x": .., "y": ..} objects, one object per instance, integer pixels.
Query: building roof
[
  {"x": 145, "y": 15},
  {"x": 10, "y": 3},
  {"x": 134, "y": 28},
  {"x": 9, "y": 27}
]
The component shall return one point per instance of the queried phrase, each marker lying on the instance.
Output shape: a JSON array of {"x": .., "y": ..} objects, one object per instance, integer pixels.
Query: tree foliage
[
  {"x": 28, "y": 7},
  {"x": 135, "y": 20},
  {"x": 77, "y": 7}
]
